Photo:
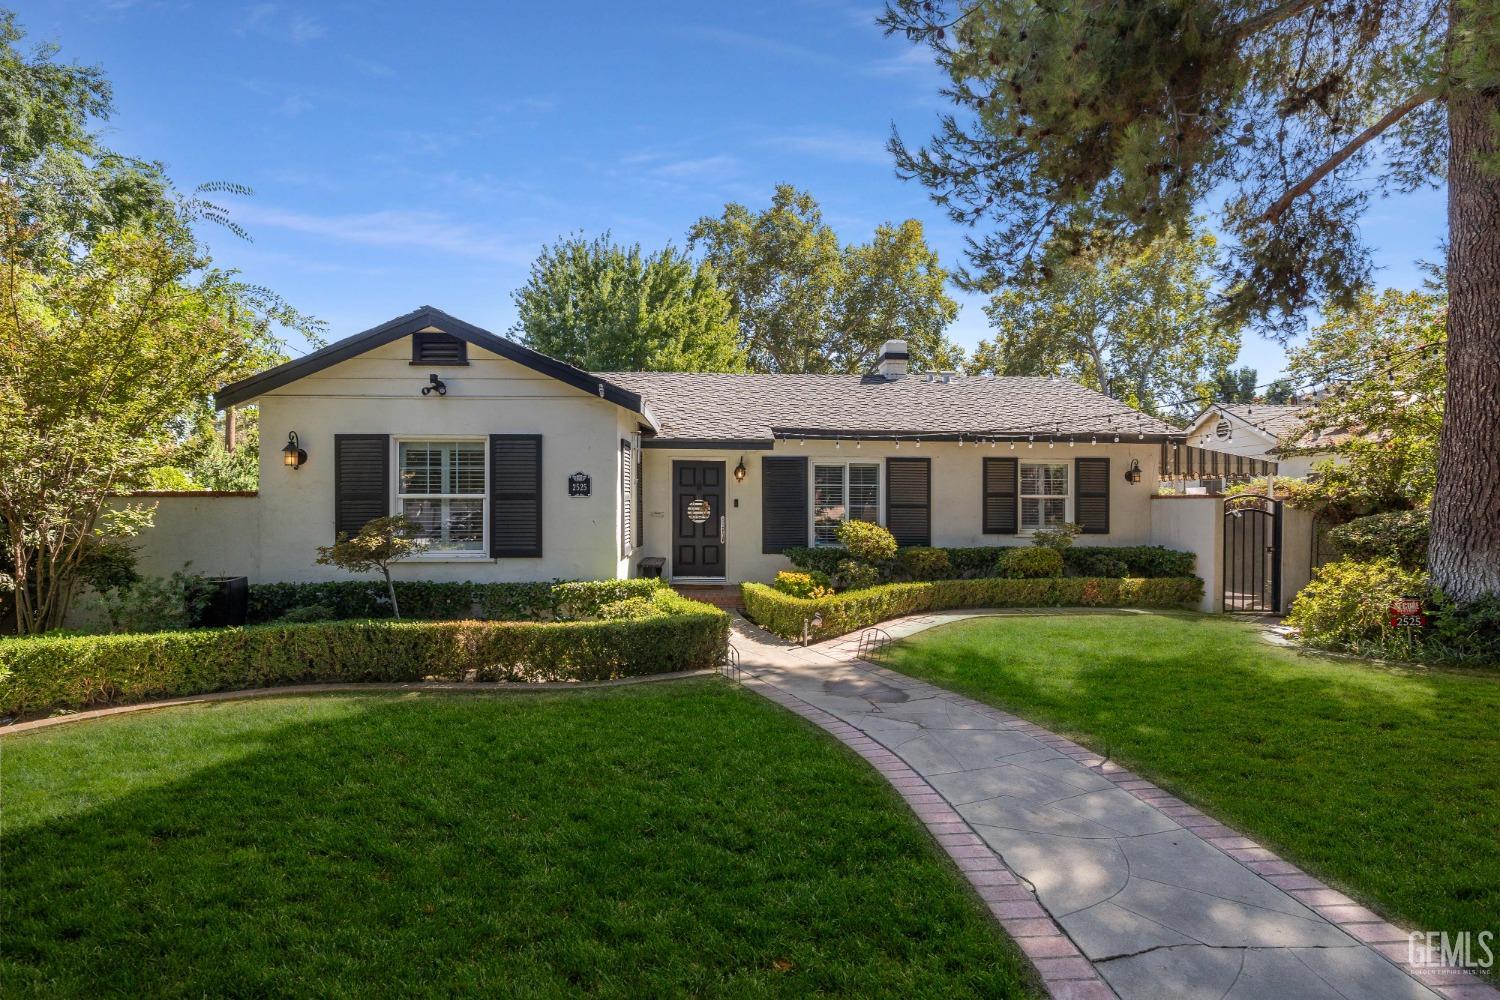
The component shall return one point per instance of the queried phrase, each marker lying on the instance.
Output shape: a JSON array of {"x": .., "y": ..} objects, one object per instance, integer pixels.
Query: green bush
[
  {"x": 810, "y": 584},
  {"x": 630, "y": 609},
  {"x": 1094, "y": 562},
  {"x": 823, "y": 560},
  {"x": 856, "y": 609},
  {"x": 50, "y": 672},
  {"x": 853, "y": 574},
  {"x": 308, "y": 613},
  {"x": 1059, "y": 538},
  {"x": 1150, "y": 561},
  {"x": 867, "y": 542},
  {"x": 1034, "y": 563},
  {"x": 1399, "y": 535},
  {"x": 430, "y": 601},
  {"x": 923, "y": 563},
  {"x": 1346, "y": 606},
  {"x": 1464, "y": 633},
  {"x": 158, "y": 604}
]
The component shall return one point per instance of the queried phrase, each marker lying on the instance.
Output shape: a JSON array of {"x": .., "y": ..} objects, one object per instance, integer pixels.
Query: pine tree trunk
[{"x": 1464, "y": 554}]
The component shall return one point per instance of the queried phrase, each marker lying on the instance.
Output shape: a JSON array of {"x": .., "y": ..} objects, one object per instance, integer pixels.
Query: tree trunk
[
  {"x": 390, "y": 588},
  {"x": 1464, "y": 553}
]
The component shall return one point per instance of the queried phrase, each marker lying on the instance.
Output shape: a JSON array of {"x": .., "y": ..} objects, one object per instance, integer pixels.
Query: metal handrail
[{"x": 870, "y": 640}]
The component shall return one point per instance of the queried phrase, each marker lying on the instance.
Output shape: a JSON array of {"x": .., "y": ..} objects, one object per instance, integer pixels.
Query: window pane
[
  {"x": 1054, "y": 512},
  {"x": 864, "y": 493},
  {"x": 1031, "y": 516},
  {"x": 1031, "y": 479},
  {"x": 1055, "y": 480},
  {"x": 421, "y": 466},
  {"x": 466, "y": 467},
  {"x": 828, "y": 503},
  {"x": 447, "y": 525},
  {"x": 442, "y": 467}
]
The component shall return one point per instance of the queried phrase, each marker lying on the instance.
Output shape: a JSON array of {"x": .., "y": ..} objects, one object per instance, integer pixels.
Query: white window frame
[
  {"x": 1022, "y": 497},
  {"x": 484, "y": 498},
  {"x": 812, "y": 495}
]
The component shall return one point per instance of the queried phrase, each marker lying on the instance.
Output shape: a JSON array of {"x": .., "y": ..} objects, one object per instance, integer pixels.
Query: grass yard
[
  {"x": 669, "y": 839},
  {"x": 1386, "y": 782}
]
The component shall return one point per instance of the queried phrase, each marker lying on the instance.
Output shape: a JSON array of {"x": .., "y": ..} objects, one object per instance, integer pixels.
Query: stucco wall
[
  {"x": 1296, "y": 552},
  {"x": 956, "y": 494},
  {"x": 1194, "y": 524}
]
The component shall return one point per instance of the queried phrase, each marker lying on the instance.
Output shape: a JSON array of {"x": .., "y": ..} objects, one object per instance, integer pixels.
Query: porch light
[
  {"x": 292, "y": 456},
  {"x": 1133, "y": 474},
  {"x": 740, "y": 472}
]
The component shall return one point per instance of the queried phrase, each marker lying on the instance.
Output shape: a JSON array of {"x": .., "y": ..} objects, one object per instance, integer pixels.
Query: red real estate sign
[{"x": 1407, "y": 612}]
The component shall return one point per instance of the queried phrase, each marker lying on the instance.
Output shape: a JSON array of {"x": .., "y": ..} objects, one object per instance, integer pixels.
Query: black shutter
[
  {"x": 438, "y": 349},
  {"x": 908, "y": 500},
  {"x": 1000, "y": 496},
  {"x": 783, "y": 504},
  {"x": 515, "y": 495},
  {"x": 1091, "y": 495},
  {"x": 361, "y": 481},
  {"x": 627, "y": 500}
]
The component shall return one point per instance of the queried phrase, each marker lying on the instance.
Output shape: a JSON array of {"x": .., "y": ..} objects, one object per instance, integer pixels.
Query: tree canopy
[
  {"x": 606, "y": 307},
  {"x": 807, "y": 303}
]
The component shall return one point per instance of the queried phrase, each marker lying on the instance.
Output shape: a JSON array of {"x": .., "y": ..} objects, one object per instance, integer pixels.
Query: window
[
  {"x": 1044, "y": 494},
  {"x": 440, "y": 486},
  {"x": 843, "y": 493}
]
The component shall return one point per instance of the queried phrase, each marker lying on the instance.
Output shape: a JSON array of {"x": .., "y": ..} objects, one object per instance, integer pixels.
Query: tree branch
[
  {"x": 1272, "y": 17},
  {"x": 1280, "y": 205}
]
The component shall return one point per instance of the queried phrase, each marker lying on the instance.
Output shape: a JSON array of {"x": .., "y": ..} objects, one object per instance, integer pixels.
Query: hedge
[
  {"x": 857, "y": 609},
  {"x": 448, "y": 601},
  {"x": 1147, "y": 561},
  {"x": 50, "y": 672}
]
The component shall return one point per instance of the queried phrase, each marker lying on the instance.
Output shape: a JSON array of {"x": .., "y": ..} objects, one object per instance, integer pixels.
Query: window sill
[{"x": 436, "y": 557}]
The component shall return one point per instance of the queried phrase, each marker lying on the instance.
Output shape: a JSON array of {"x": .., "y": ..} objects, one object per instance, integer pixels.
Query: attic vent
[
  {"x": 438, "y": 349},
  {"x": 1221, "y": 430}
]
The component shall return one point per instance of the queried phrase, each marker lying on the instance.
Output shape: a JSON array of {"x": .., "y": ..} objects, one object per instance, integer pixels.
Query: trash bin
[
  {"x": 650, "y": 568},
  {"x": 228, "y": 601}
]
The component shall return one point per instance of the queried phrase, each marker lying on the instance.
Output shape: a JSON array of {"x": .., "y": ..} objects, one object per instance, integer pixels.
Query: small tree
[{"x": 380, "y": 542}]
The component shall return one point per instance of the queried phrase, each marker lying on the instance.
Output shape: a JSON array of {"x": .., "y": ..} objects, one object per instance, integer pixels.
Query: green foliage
[
  {"x": 304, "y": 613},
  {"x": 918, "y": 562},
  {"x": 1035, "y": 563},
  {"x": 381, "y": 542},
  {"x": 857, "y": 609},
  {"x": 810, "y": 584},
  {"x": 821, "y": 559},
  {"x": 804, "y": 303},
  {"x": 1149, "y": 561},
  {"x": 867, "y": 542},
  {"x": 76, "y": 671},
  {"x": 1346, "y": 607},
  {"x": 852, "y": 574},
  {"x": 1399, "y": 535},
  {"x": 606, "y": 307},
  {"x": 1059, "y": 538},
  {"x": 1139, "y": 325},
  {"x": 632, "y": 608},
  {"x": 1104, "y": 562},
  {"x": 158, "y": 604},
  {"x": 432, "y": 601}
]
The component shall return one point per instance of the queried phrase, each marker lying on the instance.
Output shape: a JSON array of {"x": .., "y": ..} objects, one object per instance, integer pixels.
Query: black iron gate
[{"x": 1252, "y": 554}]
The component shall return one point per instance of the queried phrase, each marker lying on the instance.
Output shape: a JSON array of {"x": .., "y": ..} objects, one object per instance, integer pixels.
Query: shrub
[
  {"x": 813, "y": 584},
  {"x": 1029, "y": 563},
  {"x": 1464, "y": 633},
  {"x": 158, "y": 604},
  {"x": 76, "y": 671},
  {"x": 1148, "y": 561},
  {"x": 1094, "y": 562},
  {"x": 856, "y": 609},
  {"x": 853, "y": 574},
  {"x": 823, "y": 560},
  {"x": 308, "y": 613},
  {"x": 923, "y": 563},
  {"x": 1057, "y": 538},
  {"x": 629, "y": 609},
  {"x": 429, "y": 601},
  {"x": 975, "y": 561},
  {"x": 867, "y": 543},
  {"x": 1399, "y": 535},
  {"x": 1346, "y": 606}
]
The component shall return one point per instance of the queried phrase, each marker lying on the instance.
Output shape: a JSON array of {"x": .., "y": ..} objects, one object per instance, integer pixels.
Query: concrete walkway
[{"x": 1101, "y": 877}]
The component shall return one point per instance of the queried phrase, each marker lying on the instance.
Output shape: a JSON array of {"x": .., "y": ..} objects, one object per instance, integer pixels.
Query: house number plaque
[
  {"x": 698, "y": 511},
  {"x": 580, "y": 484}
]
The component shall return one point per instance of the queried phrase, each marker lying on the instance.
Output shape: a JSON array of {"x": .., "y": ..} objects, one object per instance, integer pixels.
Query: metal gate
[{"x": 1252, "y": 555}]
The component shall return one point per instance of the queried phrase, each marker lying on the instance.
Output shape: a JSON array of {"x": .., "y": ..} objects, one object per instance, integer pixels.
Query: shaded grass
[
  {"x": 683, "y": 838},
  {"x": 1384, "y": 781}
]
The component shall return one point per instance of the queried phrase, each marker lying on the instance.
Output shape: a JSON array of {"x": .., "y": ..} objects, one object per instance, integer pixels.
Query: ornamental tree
[
  {"x": 381, "y": 542},
  {"x": 1077, "y": 117}
]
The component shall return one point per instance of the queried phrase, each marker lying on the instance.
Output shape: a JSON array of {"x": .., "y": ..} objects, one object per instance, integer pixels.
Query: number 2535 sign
[{"x": 1406, "y": 612}]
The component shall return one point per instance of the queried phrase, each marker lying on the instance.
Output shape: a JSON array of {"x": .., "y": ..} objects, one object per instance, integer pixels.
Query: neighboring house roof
[
  {"x": 1285, "y": 425},
  {"x": 695, "y": 407},
  {"x": 423, "y": 318}
]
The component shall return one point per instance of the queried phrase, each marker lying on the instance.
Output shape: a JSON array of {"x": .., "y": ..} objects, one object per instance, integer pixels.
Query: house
[{"x": 1264, "y": 432}]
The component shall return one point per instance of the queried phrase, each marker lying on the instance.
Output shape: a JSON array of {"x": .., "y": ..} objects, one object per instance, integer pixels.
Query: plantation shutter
[
  {"x": 515, "y": 495},
  {"x": 361, "y": 481},
  {"x": 627, "y": 498},
  {"x": 1091, "y": 495},
  {"x": 783, "y": 504},
  {"x": 1000, "y": 496},
  {"x": 908, "y": 500}
]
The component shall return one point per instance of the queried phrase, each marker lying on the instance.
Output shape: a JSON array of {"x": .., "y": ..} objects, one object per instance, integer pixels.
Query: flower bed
[
  {"x": 49, "y": 672},
  {"x": 855, "y": 609}
]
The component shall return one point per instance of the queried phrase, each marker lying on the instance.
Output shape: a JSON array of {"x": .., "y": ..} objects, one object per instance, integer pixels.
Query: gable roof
[
  {"x": 1284, "y": 424},
  {"x": 752, "y": 410},
  {"x": 413, "y": 322}
]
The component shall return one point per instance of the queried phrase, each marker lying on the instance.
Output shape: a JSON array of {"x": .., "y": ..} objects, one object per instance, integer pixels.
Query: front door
[{"x": 698, "y": 519}]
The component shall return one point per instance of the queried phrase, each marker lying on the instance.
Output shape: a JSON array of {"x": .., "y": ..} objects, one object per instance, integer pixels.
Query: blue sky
[{"x": 405, "y": 154}]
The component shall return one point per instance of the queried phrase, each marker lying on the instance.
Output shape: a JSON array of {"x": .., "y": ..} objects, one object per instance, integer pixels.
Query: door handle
[{"x": 721, "y": 529}]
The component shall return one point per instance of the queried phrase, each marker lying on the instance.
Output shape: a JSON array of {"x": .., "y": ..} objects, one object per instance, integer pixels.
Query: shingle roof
[
  {"x": 722, "y": 407},
  {"x": 1287, "y": 424}
]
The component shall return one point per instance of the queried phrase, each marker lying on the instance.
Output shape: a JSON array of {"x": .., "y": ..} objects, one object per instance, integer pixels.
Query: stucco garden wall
[{"x": 1194, "y": 524}]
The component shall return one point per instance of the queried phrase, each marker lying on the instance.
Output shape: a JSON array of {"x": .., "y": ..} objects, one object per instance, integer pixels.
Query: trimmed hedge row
[
  {"x": 448, "y": 601},
  {"x": 856, "y": 609},
  {"x": 77, "y": 671},
  {"x": 1146, "y": 561}
]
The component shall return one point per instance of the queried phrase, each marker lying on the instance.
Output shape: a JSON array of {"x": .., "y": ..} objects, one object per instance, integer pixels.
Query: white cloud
[
  {"x": 718, "y": 166},
  {"x": 390, "y": 228},
  {"x": 835, "y": 144},
  {"x": 275, "y": 21}
]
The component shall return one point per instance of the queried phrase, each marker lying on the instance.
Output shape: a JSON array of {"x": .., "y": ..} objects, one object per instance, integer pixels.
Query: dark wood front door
[{"x": 698, "y": 519}]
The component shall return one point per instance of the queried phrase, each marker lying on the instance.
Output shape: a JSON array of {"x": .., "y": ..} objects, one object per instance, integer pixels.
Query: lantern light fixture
[
  {"x": 740, "y": 472},
  {"x": 1133, "y": 474},
  {"x": 292, "y": 456}
]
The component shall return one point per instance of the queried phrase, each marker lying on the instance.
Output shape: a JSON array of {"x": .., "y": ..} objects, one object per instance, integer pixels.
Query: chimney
[{"x": 892, "y": 363}]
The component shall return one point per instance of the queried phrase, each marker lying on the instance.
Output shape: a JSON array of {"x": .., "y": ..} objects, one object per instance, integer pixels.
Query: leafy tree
[
  {"x": 1280, "y": 392},
  {"x": 1136, "y": 324},
  {"x": 1078, "y": 116},
  {"x": 807, "y": 304},
  {"x": 1236, "y": 385},
  {"x": 606, "y": 307},
  {"x": 381, "y": 542}
]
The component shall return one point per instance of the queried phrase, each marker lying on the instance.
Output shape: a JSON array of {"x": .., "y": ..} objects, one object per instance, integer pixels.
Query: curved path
[{"x": 1110, "y": 885}]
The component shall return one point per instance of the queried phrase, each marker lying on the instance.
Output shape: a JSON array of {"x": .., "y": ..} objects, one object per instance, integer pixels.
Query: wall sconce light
[
  {"x": 435, "y": 384},
  {"x": 1133, "y": 474},
  {"x": 740, "y": 472},
  {"x": 292, "y": 456}
]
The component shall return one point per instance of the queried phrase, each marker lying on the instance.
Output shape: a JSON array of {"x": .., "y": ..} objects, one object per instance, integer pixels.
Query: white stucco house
[{"x": 1264, "y": 432}]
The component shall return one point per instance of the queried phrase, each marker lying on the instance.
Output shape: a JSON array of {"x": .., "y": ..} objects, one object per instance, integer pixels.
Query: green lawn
[
  {"x": 671, "y": 839},
  {"x": 1386, "y": 782}
]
